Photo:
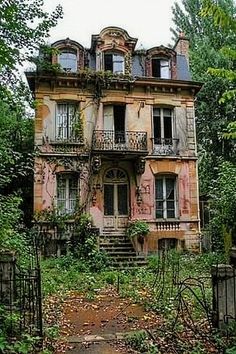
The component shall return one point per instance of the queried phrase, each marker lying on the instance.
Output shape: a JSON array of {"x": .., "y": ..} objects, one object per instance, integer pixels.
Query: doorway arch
[{"x": 116, "y": 199}]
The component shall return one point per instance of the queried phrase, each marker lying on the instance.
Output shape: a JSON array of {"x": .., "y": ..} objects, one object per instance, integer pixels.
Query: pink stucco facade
[{"x": 135, "y": 154}]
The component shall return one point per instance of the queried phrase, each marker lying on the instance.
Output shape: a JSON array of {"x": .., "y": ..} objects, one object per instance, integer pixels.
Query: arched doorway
[{"x": 116, "y": 199}]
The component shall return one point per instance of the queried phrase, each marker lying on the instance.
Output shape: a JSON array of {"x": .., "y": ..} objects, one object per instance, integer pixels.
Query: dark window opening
[
  {"x": 108, "y": 199},
  {"x": 160, "y": 68},
  {"x": 114, "y": 62},
  {"x": 122, "y": 199},
  {"x": 119, "y": 123},
  {"x": 108, "y": 62},
  {"x": 166, "y": 244},
  {"x": 163, "y": 126}
]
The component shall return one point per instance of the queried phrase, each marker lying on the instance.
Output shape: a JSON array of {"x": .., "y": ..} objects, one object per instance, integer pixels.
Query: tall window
[
  {"x": 66, "y": 120},
  {"x": 67, "y": 192},
  {"x": 114, "y": 122},
  {"x": 114, "y": 62},
  {"x": 161, "y": 68},
  {"x": 68, "y": 60},
  {"x": 166, "y": 197},
  {"x": 163, "y": 126}
]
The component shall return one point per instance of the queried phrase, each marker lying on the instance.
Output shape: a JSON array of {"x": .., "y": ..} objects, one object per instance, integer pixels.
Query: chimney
[{"x": 182, "y": 45}]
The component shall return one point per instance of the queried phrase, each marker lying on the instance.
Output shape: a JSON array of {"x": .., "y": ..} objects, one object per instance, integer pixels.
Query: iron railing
[
  {"x": 109, "y": 140},
  {"x": 20, "y": 298},
  {"x": 165, "y": 146}
]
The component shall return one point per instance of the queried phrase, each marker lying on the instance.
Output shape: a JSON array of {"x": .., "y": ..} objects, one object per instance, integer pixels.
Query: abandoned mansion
[{"x": 115, "y": 138}]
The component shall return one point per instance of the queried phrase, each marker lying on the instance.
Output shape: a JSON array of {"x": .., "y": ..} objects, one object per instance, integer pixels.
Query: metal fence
[{"x": 20, "y": 297}]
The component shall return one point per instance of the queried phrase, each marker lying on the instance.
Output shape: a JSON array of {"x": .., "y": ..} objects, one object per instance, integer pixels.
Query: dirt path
[{"x": 98, "y": 325}]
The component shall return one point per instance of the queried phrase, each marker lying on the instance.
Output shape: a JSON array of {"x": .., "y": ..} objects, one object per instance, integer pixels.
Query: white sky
[{"x": 149, "y": 20}]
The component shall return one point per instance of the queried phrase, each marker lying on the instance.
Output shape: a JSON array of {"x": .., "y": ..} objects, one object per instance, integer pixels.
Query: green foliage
[
  {"x": 24, "y": 26},
  {"x": 223, "y": 199},
  {"x": 137, "y": 228},
  {"x": 209, "y": 25},
  {"x": 138, "y": 341}
]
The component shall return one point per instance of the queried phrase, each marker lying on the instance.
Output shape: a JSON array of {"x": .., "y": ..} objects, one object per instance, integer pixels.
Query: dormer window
[
  {"x": 68, "y": 60},
  {"x": 161, "y": 68},
  {"x": 114, "y": 62}
]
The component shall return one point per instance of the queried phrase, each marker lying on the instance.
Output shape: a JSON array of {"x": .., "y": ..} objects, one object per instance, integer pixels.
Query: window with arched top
[
  {"x": 115, "y": 175},
  {"x": 68, "y": 60},
  {"x": 115, "y": 193}
]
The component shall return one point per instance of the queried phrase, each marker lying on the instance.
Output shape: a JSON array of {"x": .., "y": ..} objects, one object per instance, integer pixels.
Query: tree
[
  {"x": 24, "y": 26},
  {"x": 223, "y": 20},
  {"x": 213, "y": 114}
]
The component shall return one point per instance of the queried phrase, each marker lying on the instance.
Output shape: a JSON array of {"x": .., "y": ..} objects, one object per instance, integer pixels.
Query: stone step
[
  {"x": 117, "y": 248},
  {"x": 120, "y": 250}
]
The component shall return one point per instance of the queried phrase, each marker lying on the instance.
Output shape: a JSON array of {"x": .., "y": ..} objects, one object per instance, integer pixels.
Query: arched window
[{"x": 68, "y": 60}]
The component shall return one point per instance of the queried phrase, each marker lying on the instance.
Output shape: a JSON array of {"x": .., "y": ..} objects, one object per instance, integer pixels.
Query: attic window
[
  {"x": 68, "y": 60},
  {"x": 161, "y": 68},
  {"x": 114, "y": 62}
]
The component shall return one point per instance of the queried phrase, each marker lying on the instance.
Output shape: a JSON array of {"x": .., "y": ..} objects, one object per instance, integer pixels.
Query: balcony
[
  {"x": 71, "y": 144},
  {"x": 109, "y": 141},
  {"x": 165, "y": 146}
]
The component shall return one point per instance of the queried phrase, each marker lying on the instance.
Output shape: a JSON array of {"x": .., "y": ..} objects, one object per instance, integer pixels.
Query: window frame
[
  {"x": 164, "y": 200},
  {"x": 66, "y": 51},
  {"x": 114, "y": 62},
  {"x": 67, "y": 201},
  {"x": 161, "y": 67},
  {"x": 64, "y": 121},
  {"x": 163, "y": 140}
]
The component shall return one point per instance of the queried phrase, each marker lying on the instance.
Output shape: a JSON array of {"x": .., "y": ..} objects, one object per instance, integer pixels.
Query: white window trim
[
  {"x": 64, "y": 123},
  {"x": 67, "y": 201},
  {"x": 164, "y": 216},
  {"x": 114, "y": 54},
  {"x": 75, "y": 60},
  {"x": 162, "y": 121}
]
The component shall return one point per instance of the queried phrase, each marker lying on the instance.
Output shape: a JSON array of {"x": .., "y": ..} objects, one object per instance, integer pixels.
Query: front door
[{"x": 115, "y": 199}]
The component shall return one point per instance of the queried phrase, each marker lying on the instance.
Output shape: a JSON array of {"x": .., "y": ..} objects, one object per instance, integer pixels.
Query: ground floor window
[
  {"x": 166, "y": 201},
  {"x": 67, "y": 193},
  {"x": 166, "y": 244}
]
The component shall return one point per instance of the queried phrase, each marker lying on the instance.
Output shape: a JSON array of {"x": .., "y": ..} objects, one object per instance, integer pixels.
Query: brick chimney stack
[{"x": 182, "y": 45}]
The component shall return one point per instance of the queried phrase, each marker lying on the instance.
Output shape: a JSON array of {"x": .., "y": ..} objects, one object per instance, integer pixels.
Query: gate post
[
  {"x": 224, "y": 295},
  {"x": 7, "y": 277}
]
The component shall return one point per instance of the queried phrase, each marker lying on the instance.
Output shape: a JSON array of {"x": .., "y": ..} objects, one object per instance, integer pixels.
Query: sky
[{"x": 148, "y": 20}]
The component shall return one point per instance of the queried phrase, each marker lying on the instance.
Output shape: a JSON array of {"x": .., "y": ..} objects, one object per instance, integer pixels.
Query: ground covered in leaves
[{"x": 145, "y": 304}]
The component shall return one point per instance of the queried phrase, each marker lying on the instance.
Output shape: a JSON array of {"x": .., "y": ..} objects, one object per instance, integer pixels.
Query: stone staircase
[{"x": 120, "y": 249}]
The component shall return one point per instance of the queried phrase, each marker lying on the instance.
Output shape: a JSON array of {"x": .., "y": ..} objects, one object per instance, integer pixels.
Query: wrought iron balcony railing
[
  {"x": 109, "y": 140},
  {"x": 165, "y": 146}
]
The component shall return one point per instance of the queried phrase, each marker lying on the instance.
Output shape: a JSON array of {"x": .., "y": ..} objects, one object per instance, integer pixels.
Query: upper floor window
[
  {"x": 67, "y": 193},
  {"x": 68, "y": 60},
  {"x": 114, "y": 62},
  {"x": 162, "y": 126},
  {"x": 114, "y": 122},
  {"x": 166, "y": 197},
  {"x": 67, "y": 122},
  {"x": 161, "y": 68}
]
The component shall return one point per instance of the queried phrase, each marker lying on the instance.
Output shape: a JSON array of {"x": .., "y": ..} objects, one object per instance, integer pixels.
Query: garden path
[{"x": 98, "y": 324}]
